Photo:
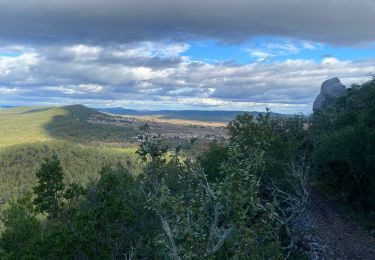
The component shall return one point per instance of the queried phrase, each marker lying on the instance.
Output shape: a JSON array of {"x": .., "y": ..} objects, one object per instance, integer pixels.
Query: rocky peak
[{"x": 329, "y": 90}]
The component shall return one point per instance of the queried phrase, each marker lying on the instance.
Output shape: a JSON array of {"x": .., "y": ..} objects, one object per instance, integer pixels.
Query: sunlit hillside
[
  {"x": 72, "y": 123},
  {"x": 26, "y": 124}
]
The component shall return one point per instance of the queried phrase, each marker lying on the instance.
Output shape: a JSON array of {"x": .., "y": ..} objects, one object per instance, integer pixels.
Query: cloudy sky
[{"x": 182, "y": 54}]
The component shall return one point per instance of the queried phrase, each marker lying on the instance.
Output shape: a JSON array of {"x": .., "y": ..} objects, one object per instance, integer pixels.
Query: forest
[{"x": 237, "y": 199}]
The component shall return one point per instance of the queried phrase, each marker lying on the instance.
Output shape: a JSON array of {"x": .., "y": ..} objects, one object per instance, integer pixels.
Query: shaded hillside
[
  {"x": 200, "y": 115},
  {"x": 77, "y": 126}
]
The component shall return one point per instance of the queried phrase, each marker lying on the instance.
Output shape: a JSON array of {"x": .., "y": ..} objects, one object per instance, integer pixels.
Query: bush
[{"x": 345, "y": 151}]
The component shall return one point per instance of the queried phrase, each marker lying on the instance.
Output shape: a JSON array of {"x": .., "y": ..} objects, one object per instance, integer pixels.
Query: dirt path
[{"x": 331, "y": 235}]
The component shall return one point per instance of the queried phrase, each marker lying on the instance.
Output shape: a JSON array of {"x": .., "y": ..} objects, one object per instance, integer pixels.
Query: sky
[{"x": 182, "y": 54}]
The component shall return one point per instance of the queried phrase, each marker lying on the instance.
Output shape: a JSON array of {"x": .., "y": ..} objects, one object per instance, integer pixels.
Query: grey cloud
[
  {"x": 343, "y": 22},
  {"x": 106, "y": 56}
]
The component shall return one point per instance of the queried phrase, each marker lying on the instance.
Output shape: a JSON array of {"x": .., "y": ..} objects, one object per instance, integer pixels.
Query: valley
[{"x": 85, "y": 140}]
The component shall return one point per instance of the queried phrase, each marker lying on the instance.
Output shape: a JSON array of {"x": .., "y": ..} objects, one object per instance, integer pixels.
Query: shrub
[{"x": 345, "y": 151}]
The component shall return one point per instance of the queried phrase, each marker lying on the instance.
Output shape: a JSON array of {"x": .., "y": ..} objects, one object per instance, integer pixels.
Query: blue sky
[
  {"x": 168, "y": 54},
  {"x": 279, "y": 49},
  {"x": 10, "y": 54}
]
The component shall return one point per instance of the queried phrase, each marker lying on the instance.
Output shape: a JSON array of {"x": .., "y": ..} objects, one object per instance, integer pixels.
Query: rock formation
[{"x": 329, "y": 90}]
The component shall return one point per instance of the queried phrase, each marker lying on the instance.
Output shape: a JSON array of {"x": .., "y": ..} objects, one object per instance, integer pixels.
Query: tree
[
  {"x": 22, "y": 229},
  {"x": 212, "y": 159},
  {"x": 50, "y": 188},
  {"x": 113, "y": 220},
  {"x": 200, "y": 218}
]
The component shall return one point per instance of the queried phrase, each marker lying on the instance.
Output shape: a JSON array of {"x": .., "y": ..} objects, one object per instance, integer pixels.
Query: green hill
[
  {"x": 30, "y": 134},
  {"x": 73, "y": 123},
  {"x": 26, "y": 124}
]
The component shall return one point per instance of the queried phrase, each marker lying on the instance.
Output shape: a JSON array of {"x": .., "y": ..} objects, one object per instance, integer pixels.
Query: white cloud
[
  {"x": 83, "y": 52},
  {"x": 283, "y": 48},
  {"x": 77, "y": 89},
  {"x": 156, "y": 81},
  {"x": 18, "y": 69},
  {"x": 260, "y": 55},
  {"x": 151, "y": 49},
  {"x": 311, "y": 45},
  {"x": 6, "y": 90},
  {"x": 330, "y": 61}
]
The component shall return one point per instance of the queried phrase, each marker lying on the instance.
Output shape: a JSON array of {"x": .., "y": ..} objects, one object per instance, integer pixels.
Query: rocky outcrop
[{"x": 329, "y": 90}]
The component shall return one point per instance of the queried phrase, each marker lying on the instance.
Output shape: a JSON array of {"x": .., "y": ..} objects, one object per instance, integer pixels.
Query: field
[{"x": 176, "y": 130}]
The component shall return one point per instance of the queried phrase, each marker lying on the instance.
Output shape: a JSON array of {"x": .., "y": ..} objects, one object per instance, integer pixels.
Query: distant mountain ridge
[
  {"x": 203, "y": 115},
  {"x": 7, "y": 106}
]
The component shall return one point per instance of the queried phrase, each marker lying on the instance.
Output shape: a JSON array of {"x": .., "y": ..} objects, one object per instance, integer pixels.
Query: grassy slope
[
  {"x": 26, "y": 125},
  {"x": 28, "y": 135}
]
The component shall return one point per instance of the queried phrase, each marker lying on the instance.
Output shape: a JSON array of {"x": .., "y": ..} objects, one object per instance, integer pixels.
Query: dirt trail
[{"x": 331, "y": 235}]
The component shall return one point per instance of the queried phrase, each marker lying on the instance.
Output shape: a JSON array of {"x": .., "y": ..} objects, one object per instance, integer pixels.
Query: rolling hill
[
  {"x": 73, "y": 123},
  {"x": 30, "y": 134},
  {"x": 86, "y": 139}
]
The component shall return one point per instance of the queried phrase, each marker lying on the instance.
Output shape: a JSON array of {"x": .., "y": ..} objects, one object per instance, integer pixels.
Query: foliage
[
  {"x": 22, "y": 229},
  {"x": 80, "y": 164},
  {"x": 172, "y": 209},
  {"x": 113, "y": 221},
  {"x": 50, "y": 186},
  {"x": 105, "y": 221},
  {"x": 345, "y": 149},
  {"x": 212, "y": 159},
  {"x": 280, "y": 140},
  {"x": 225, "y": 217}
]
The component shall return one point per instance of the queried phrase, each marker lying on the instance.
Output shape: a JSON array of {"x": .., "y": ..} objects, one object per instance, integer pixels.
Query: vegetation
[
  {"x": 236, "y": 200},
  {"x": 31, "y": 134},
  {"x": 172, "y": 209},
  {"x": 76, "y": 126},
  {"x": 26, "y": 125},
  {"x": 345, "y": 147},
  {"x": 72, "y": 123},
  {"x": 80, "y": 163}
]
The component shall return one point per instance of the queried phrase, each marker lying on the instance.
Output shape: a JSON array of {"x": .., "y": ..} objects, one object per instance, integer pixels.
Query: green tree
[
  {"x": 113, "y": 221},
  {"x": 199, "y": 218},
  {"x": 212, "y": 159},
  {"x": 22, "y": 229},
  {"x": 50, "y": 187}
]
